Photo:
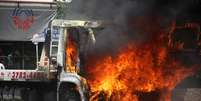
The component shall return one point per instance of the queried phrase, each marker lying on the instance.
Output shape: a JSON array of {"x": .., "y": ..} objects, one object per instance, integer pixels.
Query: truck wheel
[
  {"x": 50, "y": 96},
  {"x": 69, "y": 92},
  {"x": 33, "y": 96},
  {"x": 70, "y": 95}
]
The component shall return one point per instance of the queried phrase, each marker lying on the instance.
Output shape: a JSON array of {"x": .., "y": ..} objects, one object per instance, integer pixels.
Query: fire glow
[{"x": 138, "y": 68}]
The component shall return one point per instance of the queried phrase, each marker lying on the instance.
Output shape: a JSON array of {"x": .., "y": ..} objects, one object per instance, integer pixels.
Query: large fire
[{"x": 136, "y": 69}]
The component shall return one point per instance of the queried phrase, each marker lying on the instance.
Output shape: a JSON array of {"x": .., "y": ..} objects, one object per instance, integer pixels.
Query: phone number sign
[{"x": 22, "y": 75}]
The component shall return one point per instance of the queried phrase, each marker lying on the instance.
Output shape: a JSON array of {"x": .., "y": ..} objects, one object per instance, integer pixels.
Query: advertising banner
[{"x": 21, "y": 23}]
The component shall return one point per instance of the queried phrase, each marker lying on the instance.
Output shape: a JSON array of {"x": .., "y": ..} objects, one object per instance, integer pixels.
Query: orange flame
[
  {"x": 137, "y": 69},
  {"x": 71, "y": 55}
]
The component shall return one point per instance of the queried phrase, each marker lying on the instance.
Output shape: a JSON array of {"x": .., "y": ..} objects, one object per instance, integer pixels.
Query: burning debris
[{"x": 140, "y": 71}]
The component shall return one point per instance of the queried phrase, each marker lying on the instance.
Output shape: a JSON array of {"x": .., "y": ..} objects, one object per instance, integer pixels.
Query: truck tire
[
  {"x": 50, "y": 96},
  {"x": 33, "y": 95},
  {"x": 69, "y": 92},
  {"x": 70, "y": 95}
]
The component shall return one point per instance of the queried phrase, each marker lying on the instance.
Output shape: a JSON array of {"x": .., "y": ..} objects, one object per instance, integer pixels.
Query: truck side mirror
[{"x": 54, "y": 60}]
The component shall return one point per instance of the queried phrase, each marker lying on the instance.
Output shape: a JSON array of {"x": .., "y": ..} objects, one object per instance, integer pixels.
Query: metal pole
[
  {"x": 23, "y": 56},
  {"x": 36, "y": 43}
]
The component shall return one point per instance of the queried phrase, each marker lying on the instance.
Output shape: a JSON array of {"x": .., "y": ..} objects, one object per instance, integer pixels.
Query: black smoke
[{"x": 119, "y": 14}]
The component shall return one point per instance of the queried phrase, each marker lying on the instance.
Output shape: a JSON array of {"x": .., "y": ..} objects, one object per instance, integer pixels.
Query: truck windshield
[{"x": 18, "y": 55}]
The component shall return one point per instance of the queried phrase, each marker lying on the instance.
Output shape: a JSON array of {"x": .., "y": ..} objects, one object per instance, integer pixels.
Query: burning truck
[{"x": 50, "y": 69}]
